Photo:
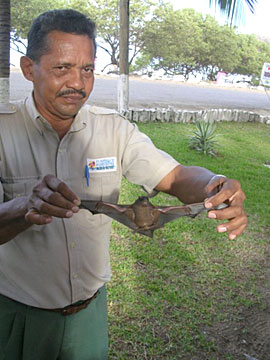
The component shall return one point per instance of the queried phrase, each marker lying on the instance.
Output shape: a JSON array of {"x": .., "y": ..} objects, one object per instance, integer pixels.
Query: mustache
[{"x": 71, "y": 92}]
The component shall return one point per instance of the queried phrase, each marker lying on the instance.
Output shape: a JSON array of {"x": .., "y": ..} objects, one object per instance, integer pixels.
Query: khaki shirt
[{"x": 54, "y": 265}]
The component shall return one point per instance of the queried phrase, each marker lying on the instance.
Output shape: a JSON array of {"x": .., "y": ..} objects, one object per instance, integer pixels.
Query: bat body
[{"x": 142, "y": 216}]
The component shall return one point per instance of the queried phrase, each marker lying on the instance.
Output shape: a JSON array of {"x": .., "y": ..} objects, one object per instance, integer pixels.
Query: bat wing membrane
[
  {"x": 121, "y": 213},
  {"x": 170, "y": 213}
]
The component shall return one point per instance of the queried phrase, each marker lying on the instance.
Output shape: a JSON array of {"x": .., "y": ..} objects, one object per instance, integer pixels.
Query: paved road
[{"x": 151, "y": 94}]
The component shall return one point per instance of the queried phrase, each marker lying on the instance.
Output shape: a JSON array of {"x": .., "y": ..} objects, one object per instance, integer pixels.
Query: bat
[{"x": 142, "y": 216}]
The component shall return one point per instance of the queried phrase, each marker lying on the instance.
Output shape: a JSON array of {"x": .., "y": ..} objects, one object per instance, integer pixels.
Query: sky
[{"x": 258, "y": 23}]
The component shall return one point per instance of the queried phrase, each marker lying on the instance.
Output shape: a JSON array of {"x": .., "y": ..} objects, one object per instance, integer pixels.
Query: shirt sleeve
[{"x": 143, "y": 164}]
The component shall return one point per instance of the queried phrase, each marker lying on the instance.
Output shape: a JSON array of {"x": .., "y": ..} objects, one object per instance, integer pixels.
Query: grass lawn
[{"x": 166, "y": 291}]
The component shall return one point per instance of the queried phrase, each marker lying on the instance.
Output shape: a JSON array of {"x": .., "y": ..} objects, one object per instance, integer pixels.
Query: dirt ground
[
  {"x": 245, "y": 334},
  {"x": 245, "y": 337}
]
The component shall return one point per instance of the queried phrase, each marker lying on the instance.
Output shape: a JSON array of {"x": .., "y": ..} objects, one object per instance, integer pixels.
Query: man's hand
[
  {"x": 51, "y": 198},
  {"x": 228, "y": 191}
]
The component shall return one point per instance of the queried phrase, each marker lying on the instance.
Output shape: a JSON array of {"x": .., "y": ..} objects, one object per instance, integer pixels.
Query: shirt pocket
[
  {"x": 14, "y": 188},
  {"x": 110, "y": 185},
  {"x": 103, "y": 186}
]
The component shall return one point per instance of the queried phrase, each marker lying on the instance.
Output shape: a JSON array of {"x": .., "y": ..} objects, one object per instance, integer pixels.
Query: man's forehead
[
  {"x": 56, "y": 38},
  {"x": 66, "y": 46}
]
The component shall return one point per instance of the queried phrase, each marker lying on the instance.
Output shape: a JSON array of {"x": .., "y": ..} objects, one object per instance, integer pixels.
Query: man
[{"x": 54, "y": 258}]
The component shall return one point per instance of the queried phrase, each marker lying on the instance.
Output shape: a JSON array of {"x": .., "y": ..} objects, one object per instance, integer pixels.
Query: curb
[{"x": 188, "y": 116}]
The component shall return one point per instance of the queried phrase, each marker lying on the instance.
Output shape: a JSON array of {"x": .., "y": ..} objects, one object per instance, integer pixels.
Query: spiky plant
[{"x": 203, "y": 139}]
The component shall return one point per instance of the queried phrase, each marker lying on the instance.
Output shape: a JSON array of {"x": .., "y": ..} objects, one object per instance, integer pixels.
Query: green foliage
[
  {"x": 173, "y": 40},
  {"x": 219, "y": 48},
  {"x": 106, "y": 15},
  {"x": 23, "y": 13},
  {"x": 104, "y": 12},
  {"x": 253, "y": 54},
  {"x": 142, "y": 64},
  {"x": 185, "y": 42},
  {"x": 203, "y": 138},
  {"x": 255, "y": 81}
]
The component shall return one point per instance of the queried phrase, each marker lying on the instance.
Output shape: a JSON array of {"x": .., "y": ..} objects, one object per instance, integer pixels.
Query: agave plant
[{"x": 203, "y": 139}]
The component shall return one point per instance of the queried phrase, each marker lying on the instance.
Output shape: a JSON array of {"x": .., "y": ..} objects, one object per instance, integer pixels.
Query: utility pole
[
  {"x": 5, "y": 106},
  {"x": 123, "y": 81}
]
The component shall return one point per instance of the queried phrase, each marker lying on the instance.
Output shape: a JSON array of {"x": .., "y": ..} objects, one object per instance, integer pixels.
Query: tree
[
  {"x": 106, "y": 15},
  {"x": 233, "y": 9},
  {"x": 173, "y": 39},
  {"x": 220, "y": 51},
  {"x": 253, "y": 54},
  {"x": 184, "y": 42},
  {"x": 4, "y": 54},
  {"x": 23, "y": 12}
]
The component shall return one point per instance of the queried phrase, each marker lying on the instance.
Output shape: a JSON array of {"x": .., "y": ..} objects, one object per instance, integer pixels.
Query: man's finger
[
  {"x": 215, "y": 183},
  {"x": 233, "y": 235},
  {"x": 229, "y": 212},
  {"x": 34, "y": 217},
  {"x": 59, "y": 186},
  {"x": 46, "y": 195},
  {"x": 233, "y": 225},
  {"x": 226, "y": 194}
]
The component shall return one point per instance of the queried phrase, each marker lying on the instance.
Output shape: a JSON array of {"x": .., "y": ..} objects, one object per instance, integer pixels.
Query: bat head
[{"x": 143, "y": 201}]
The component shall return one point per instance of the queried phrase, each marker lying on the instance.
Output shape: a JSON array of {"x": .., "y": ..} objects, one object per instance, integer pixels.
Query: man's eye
[
  {"x": 88, "y": 70},
  {"x": 61, "y": 68}
]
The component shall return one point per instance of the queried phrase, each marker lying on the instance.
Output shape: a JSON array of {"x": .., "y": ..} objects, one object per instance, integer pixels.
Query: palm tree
[
  {"x": 4, "y": 55},
  {"x": 233, "y": 9}
]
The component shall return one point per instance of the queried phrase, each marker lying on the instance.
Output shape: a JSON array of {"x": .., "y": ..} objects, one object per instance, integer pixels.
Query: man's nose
[{"x": 75, "y": 79}]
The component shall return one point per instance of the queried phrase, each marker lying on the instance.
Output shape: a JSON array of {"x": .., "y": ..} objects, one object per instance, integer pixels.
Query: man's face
[{"x": 64, "y": 77}]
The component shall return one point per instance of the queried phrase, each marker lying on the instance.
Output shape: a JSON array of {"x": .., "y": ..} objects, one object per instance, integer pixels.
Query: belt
[{"x": 74, "y": 308}]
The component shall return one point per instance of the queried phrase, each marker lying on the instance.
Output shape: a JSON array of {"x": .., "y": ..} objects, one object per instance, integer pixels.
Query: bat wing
[
  {"x": 89, "y": 205},
  {"x": 170, "y": 213},
  {"x": 122, "y": 213},
  {"x": 165, "y": 214},
  {"x": 148, "y": 232}
]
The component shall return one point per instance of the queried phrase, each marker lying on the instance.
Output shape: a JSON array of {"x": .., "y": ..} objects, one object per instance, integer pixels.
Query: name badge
[{"x": 101, "y": 165}]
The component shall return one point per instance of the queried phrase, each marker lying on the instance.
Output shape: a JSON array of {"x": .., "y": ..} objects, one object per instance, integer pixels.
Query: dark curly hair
[{"x": 67, "y": 20}]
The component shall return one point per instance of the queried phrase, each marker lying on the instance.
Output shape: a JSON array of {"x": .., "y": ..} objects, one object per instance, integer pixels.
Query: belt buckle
[
  {"x": 66, "y": 311},
  {"x": 74, "y": 308}
]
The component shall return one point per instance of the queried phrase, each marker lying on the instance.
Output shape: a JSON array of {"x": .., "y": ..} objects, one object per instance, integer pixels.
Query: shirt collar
[{"x": 42, "y": 124}]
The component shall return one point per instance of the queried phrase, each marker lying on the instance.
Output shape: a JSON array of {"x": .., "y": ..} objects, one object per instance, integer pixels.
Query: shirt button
[
  {"x": 73, "y": 244},
  {"x": 75, "y": 276}
]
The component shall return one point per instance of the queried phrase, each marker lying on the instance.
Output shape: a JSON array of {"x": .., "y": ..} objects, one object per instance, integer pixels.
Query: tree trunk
[
  {"x": 123, "y": 81},
  {"x": 4, "y": 56}
]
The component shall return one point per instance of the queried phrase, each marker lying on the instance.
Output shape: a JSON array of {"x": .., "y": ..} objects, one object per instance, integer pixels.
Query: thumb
[{"x": 214, "y": 185}]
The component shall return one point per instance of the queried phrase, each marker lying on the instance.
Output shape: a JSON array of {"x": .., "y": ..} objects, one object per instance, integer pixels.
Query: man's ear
[{"x": 27, "y": 67}]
